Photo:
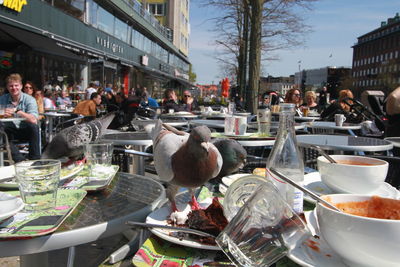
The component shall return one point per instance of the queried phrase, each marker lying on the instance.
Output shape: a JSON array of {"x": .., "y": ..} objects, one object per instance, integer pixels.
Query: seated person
[
  {"x": 170, "y": 101},
  {"x": 48, "y": 100},
  {"x": 393, "y": 113},
  {"x": 63, "y": 99},
  {"x": 341, "y": 106},
  {"x": 293, "y": 96},
  {"x": 310, "y": 101},
  {"x": 88, "y": 107},
  {"x": 24, "y": 106},
  {"x": 188, "y": 102}
]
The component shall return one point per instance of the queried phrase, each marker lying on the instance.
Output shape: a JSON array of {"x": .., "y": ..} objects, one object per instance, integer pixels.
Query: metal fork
[{"x": 178, "y": 229}]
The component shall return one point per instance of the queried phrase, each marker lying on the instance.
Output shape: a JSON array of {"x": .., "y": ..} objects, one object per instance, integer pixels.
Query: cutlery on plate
[
  {"x": 178, "y": 229},
  {"x": 305, "y": 190},
  {"x": 323, "y": 153}
]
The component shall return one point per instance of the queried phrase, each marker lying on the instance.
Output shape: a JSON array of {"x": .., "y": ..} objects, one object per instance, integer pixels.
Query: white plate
[
  {"x": 9, "y": 205},
  {"x": 7, "y": 172},
  {"x": 13, "y": 184},
  {"x": 161, "y": 215},
  {"x": 229, "y": 179},
  {"x": 239, "y": 135},
  {"x": 314, "y": 251},
  {"x": 312, "y": 181}
]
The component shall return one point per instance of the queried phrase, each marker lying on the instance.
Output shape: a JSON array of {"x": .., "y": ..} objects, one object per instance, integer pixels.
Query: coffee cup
[{"x": 339, "y": 119}]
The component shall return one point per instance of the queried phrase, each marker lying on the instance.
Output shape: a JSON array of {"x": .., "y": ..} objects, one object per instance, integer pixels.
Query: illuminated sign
[
  {"x": 14, "y": 4},
  {"x": 145, "y": 60}
]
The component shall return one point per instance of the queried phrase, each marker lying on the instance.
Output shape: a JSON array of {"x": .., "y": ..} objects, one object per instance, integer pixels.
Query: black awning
[{"x": 38, "y": 42}]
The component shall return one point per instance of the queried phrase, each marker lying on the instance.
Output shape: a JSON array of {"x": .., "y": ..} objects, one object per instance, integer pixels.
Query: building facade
[
  {"x": 278, "y": 84},
  {"x": 78, "y": 41},
  {"x": 376, "y": 59},
  {"x": 334, "y": 78},
  {"x": 173, "y": 14}
]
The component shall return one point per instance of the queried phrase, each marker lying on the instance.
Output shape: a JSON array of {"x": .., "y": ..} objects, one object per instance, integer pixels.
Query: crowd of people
[{"x": 30, "y": 103}]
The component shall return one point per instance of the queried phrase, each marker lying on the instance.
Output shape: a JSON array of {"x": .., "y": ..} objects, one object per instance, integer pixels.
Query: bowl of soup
[
  {"x": 366, "y": 233},
  {"x": 353, "y": 174}
]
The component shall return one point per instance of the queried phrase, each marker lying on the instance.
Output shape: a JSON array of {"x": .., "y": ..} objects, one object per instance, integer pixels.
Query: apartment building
[{"x": 376, "y": 59}]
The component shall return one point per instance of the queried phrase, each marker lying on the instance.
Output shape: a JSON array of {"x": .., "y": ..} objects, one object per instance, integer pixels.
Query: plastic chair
[{"x": 393, "y": 175}]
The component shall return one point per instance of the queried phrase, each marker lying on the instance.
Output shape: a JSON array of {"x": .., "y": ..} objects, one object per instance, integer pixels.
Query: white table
[
  {"x": 344, "y": 143},
  {"x": 322, "y": 127},
  {"x": 139, "y": 141},
  {"x": 394, "y": 140},
  {"x": 96, "y": 217}
]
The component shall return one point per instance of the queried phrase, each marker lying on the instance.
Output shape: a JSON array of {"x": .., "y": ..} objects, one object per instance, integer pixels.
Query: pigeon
[
  {"x": 233, "y": 156},
  {"x": 184, "y": 160},
  {"x": 70, "y": 141}
]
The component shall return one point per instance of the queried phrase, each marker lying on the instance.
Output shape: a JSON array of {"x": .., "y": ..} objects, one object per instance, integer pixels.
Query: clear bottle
[{"x": 285, "y": 157}]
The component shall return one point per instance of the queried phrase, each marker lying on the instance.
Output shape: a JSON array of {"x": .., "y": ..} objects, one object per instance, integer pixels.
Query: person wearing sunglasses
[
  {"x": 189, "y": 103},
  {"x": 29, "y": 88}
]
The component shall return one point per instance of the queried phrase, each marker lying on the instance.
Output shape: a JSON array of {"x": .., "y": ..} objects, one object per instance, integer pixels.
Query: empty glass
[
  {"x": 263, "y": 231},
  {"x": 38, "y": 182},
  {"x": 99, "y": 157}
]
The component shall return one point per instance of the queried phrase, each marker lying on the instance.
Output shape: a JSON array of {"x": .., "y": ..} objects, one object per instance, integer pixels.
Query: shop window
[
  {"x": 75, "y": 8},
  {"x": 105, "y": 21},
  {"x": 121, "y": 30}
]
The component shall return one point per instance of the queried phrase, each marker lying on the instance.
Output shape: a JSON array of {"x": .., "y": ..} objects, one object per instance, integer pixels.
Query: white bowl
[
  {"x": 360, "y": 241},
  {"x": 354, "y": 179}
]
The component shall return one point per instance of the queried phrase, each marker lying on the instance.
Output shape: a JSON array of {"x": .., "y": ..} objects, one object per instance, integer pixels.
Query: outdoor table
[
  {"x": 139, "y": 141},
  {"x": 330, "y": 127},
  {"x": 174, "y": 123},
  {"x": 344, "y": 143},
  {"x": 50, "y": 116},
  {"x": 178, "y": 115},
  {"x": 306, "y": 119},
  {"x": 396, "y": 145},
  {"x": 99, "y": 215}
]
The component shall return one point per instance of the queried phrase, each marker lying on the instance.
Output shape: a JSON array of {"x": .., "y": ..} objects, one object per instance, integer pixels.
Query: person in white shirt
[{"x": 90, "y": 90}]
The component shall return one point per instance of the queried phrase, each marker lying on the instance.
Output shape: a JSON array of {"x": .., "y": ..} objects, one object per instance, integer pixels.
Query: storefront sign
[
  {"x": 6, "y": 63},
  {"x": 145, "y": 60},
  {"x": 105, "y": 42},
  {"x": 14, "y": 4}
]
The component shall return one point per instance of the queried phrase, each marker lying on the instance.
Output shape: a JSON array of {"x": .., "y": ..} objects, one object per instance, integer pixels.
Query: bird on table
[
  {"x": 70, "y": 142},
  {"x": 233, "y": 157},
  {"x": 184, "y": 160}
]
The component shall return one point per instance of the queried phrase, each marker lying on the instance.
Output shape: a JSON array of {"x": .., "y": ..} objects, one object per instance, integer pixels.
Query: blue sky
[{"x": 336, "y": 24}]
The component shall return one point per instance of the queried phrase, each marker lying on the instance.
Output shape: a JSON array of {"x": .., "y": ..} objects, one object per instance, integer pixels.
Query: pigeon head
[{"x": 200, "y": 137}]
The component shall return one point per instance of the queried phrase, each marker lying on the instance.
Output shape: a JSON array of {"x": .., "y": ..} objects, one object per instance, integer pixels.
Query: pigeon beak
[{"x": 206, "y": 145}]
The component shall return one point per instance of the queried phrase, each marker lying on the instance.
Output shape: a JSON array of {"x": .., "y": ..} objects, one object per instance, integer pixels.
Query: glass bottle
[{"x": 285, "y": 157}]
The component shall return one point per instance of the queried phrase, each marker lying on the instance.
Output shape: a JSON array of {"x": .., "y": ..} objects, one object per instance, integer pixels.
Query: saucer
[
  {"x": 312, "y": 181},
  {"x": 314, "y": 251}
]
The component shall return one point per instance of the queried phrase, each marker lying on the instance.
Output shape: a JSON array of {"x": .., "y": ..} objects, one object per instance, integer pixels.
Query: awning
[{"x": 38, "y": 43}]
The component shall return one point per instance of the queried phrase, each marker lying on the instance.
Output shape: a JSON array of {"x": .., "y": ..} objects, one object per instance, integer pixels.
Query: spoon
[
  {"x": 305, "y": 190},
  {"x": 323, "y": 153}
]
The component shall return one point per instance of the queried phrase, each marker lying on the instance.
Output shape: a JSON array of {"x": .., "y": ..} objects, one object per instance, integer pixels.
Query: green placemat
[
  {"x": 26, "y": 224},
  {"x": 83, "y": 181}
]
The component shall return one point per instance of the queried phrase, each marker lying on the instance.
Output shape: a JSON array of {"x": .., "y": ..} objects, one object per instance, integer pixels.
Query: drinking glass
[
  {"x": 38, "y": 182},
  {"x": 263, "y": 231},
  {"x": 264, "y": 121},
  {"x": 99, "y": 157},
  {"x": 2, "y": 111}
]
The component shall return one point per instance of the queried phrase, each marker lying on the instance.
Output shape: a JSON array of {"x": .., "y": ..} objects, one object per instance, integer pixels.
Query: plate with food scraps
[
  {"x": 313, "y": 251},
  {"x": 65, "y": 173},
  {"x": 162, "y": 217}
]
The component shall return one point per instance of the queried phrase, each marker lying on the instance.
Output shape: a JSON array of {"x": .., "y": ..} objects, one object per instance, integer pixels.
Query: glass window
[
  {"x": 156, "y": 9},
  {"x": 121, "y": 30},
  {"x": 105, "y": 21},
  {"x": 75, "y": 8}
]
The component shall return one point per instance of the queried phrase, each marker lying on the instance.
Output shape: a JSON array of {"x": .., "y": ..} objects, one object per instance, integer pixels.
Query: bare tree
[{"x": 252, "y": 31}]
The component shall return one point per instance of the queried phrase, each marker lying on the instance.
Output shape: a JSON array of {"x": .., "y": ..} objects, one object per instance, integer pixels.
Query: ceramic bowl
[
  {"x": 360, "y": 241},
  {"x": 362, "y": 176}
]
